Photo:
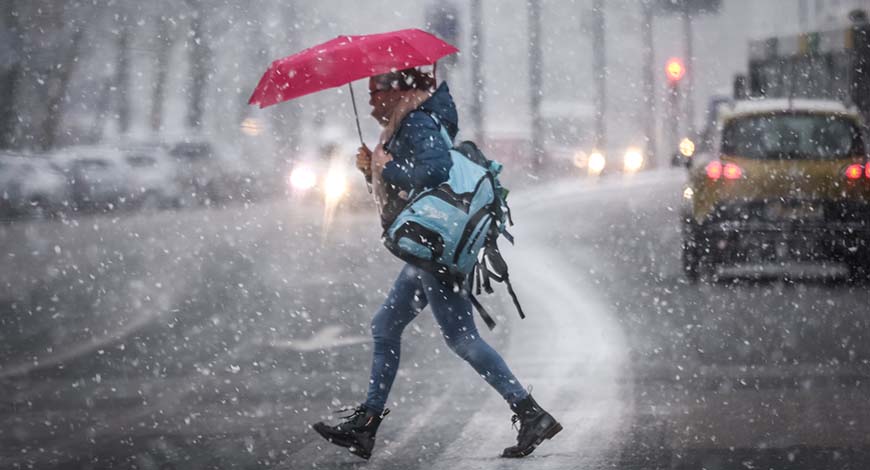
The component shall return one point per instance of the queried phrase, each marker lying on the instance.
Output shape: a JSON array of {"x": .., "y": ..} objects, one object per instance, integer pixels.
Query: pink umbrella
[{"x": 345, "y": 59}]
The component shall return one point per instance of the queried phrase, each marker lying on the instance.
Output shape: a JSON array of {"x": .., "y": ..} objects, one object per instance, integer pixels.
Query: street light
[{"x": 675, "y": 70}]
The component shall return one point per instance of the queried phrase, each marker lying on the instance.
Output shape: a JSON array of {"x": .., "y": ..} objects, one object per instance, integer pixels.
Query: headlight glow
[
  {"x": 596, "y": 163},
  {"x": 580, "y": 159},
  {"x": 688, "y": 194},
  {"x": 687, "y": 147},
  {"x": 335, "y": 185},
  {"x": 302, "y": 178},
  {"x": 633, "y": 160}
]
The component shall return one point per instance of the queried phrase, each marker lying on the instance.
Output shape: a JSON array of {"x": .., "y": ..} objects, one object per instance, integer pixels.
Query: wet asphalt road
[{"x": 213, "y": 338}]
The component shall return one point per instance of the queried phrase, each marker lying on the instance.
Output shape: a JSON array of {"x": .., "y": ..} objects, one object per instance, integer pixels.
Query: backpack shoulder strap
[
  {"x": 444, "y": 133},
  {"x": 499, "y": 273},
  {"x": 481, "y": 279},
  {"x": 482, "y": 311}
]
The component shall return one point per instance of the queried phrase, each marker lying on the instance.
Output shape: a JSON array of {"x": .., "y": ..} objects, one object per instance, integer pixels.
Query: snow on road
[
  {"x": 569, "y": 349},
  {"x": 570, "y": 352}
]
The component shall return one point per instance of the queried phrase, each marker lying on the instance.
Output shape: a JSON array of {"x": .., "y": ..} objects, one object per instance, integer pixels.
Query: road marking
[
  {"x": 326, "y": 338},
  {"x": 570, "y": 340},
  {"x": 410, "y": 430},
  {"x": 562, "y": 191},
  {"x": 80, "y": 349}
]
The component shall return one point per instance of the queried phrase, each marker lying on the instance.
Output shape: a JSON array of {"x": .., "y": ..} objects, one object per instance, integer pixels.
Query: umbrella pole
[
  {"x": 358, "y": 128},
  {"x": 355, "y": 114}
]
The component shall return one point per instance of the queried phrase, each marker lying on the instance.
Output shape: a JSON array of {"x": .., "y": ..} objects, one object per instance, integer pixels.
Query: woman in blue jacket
[{"x": 412, "y": 156}]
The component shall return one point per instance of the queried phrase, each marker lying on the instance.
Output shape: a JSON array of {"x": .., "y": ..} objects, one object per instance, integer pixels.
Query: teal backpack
[{"x": 452, "y": 230}]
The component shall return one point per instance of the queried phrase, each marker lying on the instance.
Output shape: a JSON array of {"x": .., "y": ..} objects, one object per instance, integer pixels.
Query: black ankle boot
[
  {"x": 356, "y": 432},
  {"x": 535, "y": 426}
]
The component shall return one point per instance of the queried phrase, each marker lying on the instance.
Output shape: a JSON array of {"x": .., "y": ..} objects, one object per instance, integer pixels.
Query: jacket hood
[{"x": 441, "y": 105}]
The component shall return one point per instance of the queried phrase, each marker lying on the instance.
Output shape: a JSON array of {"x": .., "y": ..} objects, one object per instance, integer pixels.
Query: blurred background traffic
[
  {"x": 113, "y": 106},
  {"x": 188, "y": 281}
]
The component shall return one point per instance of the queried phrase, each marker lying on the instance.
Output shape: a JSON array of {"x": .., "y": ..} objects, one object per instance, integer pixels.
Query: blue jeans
[{"x": 412, "y": 291}]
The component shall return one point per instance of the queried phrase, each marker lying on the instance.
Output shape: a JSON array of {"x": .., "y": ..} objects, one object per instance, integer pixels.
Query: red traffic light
[{"x": 675, "y": 70}]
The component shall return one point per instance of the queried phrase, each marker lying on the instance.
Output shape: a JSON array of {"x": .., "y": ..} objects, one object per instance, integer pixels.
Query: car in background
[
  {"x": 628, "y": 160},
  {"x": 701, "y": 140},
  {"x": 785, "y": 180},
  {"x": 327, "y": 176},
  {"x": 208, "y": 174},
  {"x": 30, "y": 185},
  {"x": 151, "y": 181},
  {"x": 128, "y": 176},
  {"x": 96, "y": 176}
]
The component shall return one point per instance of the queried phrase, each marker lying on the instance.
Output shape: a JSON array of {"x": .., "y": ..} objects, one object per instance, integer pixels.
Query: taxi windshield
[{"x": 792, "y": 136}]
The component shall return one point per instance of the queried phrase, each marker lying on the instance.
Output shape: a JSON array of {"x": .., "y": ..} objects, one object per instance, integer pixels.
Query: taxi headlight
[
  {"x": 687, "y": 147},
  {"x": 688, "y": 194},
  {"x": 633, "y": 160}
]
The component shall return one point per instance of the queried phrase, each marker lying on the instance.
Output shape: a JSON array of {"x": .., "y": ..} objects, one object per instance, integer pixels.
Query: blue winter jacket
[{"x": 421, "y": 157}]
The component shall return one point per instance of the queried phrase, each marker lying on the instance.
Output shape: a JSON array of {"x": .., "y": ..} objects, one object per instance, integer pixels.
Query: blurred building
[{"x": 827, "y": 14}]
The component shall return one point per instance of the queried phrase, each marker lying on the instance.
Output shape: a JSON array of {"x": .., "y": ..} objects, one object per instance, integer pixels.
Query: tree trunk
[
  {"x": 649, "y": 93},
  {"x": 122, "y": 81},
  {"x": 599, "y": 67},
  {"x": 161, "y": 65},
  {"x": 284, "y": 119},
  {"x": 58, "y": 94},
  {"x": 199, "y": 67},
  {"x": 8, "y": 112},
  {"x": 102, "y": 110},
  {"x": 536, "y": 82},
  {"x": 478, "y": 83},
  {"x": 10, "y": 73}
]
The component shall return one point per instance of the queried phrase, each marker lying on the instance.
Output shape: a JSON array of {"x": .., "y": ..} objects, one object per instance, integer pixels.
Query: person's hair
[{"x": 404, "y": 80}]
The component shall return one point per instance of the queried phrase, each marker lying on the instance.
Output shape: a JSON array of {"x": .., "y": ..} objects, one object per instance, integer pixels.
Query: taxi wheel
[
  {"x": 859, "y": 272},
  {"x": 691, "y": 254},
  {"x": 691, "y": 266}
]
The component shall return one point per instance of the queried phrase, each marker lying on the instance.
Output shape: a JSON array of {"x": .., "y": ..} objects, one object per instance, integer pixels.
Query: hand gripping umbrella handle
[{"x": 358, "y": 128}]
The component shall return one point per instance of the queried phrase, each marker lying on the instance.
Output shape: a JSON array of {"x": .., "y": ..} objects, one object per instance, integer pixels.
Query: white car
[
  {"x": 151, "y": 180},
  {"x": 31, "y": 185},
  {"x": 209, "y": 173},
  {"x": 110, "y": 177},
  {"x": 96, "y": 176}
]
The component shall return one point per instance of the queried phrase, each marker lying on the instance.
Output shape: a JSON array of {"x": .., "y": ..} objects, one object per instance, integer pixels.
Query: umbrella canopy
[{"x": 344, "y": 60}]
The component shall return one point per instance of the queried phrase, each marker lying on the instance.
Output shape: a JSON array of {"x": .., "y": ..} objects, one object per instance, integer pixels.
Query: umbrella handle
[
  {"x": 355, "y": 114},
  {"x": 358, "y": 128}
]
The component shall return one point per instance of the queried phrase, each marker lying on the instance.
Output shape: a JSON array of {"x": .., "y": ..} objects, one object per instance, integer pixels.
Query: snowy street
[
  {"x": 204, "y": 206},
  {"x": 213, "y": 338}
]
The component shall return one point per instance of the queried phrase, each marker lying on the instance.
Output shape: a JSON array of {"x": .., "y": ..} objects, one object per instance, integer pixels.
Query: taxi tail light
[
  {"x": 867, "y": 171},
  {"x": 855, "y": 171},
  {"x": 714, "y": 170},
  {"x": 730, "y": 171}
]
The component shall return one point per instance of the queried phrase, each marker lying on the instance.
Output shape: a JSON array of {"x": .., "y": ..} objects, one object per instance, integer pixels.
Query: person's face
[{"x": 383, "y": 100}]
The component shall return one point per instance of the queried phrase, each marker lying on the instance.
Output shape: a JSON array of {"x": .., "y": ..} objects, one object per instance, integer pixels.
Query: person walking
[{"x": 412, "y": 156}]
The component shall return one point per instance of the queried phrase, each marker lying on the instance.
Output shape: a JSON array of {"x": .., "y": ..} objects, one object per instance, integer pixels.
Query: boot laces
[
  {"x": 524, "y": 428},
  {"x": 356, "y": 411},
  {"x": 516, "y": 417}
]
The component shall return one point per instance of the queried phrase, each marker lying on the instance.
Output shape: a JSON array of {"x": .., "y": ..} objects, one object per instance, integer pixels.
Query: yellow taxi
[{"x": 784, "y": 180}]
